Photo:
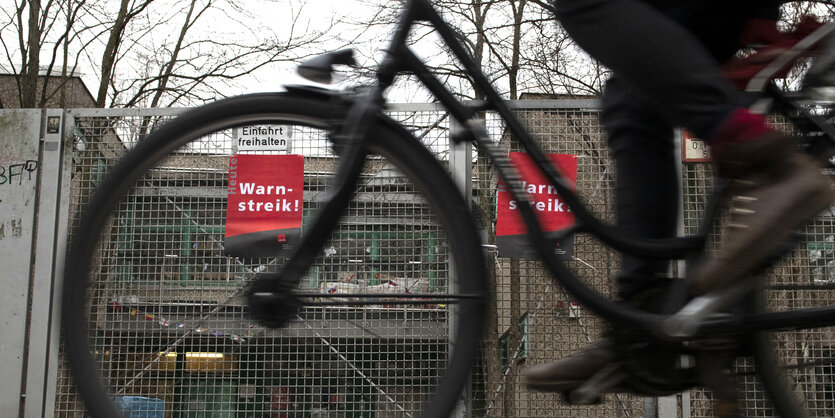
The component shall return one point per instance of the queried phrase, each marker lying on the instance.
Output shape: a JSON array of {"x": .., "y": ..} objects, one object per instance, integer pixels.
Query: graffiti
[
  {"x": 13, "y": 228},
  {"x": 18, "y": 173}
]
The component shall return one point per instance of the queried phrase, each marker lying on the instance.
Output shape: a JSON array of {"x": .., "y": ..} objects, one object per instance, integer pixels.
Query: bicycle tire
[
  {"x": 774, "y": 379},
  {"x": 85, "y": 318}
]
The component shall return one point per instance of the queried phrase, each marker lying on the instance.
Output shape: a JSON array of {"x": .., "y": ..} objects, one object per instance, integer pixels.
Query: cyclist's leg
[
  {"x": 780, "y": 188},
  {"x": 640, "y": 137},
  {"x": 658, "y": 55}
]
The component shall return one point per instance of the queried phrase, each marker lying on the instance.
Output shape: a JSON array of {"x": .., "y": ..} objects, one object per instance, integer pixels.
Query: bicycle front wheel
[{"x": 154, "y": 309}]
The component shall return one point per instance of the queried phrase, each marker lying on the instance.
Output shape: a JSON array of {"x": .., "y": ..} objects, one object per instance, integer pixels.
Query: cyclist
[{"x": 665, "y": 56}]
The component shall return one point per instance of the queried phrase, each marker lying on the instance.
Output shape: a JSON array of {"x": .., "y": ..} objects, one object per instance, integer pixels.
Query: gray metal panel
[
  {"x": 43, "y": 323},
  {"x": 19, "y": 135}
]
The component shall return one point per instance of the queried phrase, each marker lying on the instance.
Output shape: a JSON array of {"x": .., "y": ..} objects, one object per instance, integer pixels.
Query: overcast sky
[{"x": 318, "y": 14}]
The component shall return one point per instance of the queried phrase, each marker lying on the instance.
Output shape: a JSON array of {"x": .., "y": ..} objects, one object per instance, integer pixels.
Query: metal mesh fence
[
  {"x": 531, "y": 319},
  {"x": 800, "y": 280},
  {"x": 168, "y": 310},
  {"x": 169, "y": 327}
]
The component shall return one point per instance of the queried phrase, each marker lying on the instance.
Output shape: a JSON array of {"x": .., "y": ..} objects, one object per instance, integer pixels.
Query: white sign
[
  {"x": 694, "y": 150},
  {"x": 263, "y": 138},
  {"x": 573, "y": 310}
]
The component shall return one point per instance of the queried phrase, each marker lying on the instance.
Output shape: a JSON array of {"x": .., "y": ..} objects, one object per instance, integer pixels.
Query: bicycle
[{"x": 716, "y": 326}]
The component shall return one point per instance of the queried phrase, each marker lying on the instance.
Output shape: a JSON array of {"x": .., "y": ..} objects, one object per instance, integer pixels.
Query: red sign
[
  {"x": 551, "y": 211},
  {"x": 264, "y": 203}
]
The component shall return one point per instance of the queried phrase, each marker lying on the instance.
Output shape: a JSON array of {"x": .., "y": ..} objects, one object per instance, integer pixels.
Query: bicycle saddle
[{"x": 319, "y": 69}]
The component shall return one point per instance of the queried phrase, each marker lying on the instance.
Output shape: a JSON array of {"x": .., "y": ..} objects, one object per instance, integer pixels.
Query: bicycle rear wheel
[{"x": 153, "y": 307}]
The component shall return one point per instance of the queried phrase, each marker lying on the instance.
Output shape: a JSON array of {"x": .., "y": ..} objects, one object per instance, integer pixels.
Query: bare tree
[
  {"x": 198, "y": 58},
  {"x": 31, "y": 60},
  {"x": 792, "y": 15},
  {"x": 128, "y": 10},
  {"x": 147, "y": 52},
  {"x": 33, "y": 22},
  {"x": 517, "y": 44}
]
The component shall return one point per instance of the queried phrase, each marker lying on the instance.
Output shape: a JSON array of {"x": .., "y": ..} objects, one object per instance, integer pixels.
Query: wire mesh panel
[
  {"x": 801, "y": 279},
  {"x": 532, "y": 320},
  {"x": 173, "y": 335},
  {"x": 170, "y": 328}
]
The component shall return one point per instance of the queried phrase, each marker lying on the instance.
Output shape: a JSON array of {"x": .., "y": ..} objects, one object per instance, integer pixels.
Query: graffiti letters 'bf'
[{"x": 17, "y": 174}]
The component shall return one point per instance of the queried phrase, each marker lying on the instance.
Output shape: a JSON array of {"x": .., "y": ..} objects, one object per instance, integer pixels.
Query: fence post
[
  {"x": 461, "y": 168},
  {"x": 668, "y": 405},
  {"x": 461, "y": 161}
]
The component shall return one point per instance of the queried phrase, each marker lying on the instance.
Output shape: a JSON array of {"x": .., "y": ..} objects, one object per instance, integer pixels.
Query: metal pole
[
  {"x": 669, "y": 408},
  {"x": 460, "y": 167}
]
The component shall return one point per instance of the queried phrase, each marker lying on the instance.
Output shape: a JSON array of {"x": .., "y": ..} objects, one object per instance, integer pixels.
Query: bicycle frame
[{"x": 367, "y": 107}]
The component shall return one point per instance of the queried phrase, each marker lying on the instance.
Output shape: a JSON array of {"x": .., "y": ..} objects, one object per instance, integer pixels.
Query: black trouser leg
[
  {"x": 665, "y": 54},
  {"x": 647, "y": 190}
]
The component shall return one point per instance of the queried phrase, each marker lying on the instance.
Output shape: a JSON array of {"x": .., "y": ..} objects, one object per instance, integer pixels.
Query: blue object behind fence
[{"x": 141, "y": 407}]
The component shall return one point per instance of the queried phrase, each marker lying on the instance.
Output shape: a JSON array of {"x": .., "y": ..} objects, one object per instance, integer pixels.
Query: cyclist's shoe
[
  {"x": 572, "y": 371},
  {"x": 774, "y": 189}
]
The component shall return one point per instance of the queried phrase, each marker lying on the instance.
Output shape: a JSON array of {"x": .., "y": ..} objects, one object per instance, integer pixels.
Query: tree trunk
[
  {"x": 515, "y": 53},
  {"x": 29, "y": 79},
  {"x": 110, "y": 52}
]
